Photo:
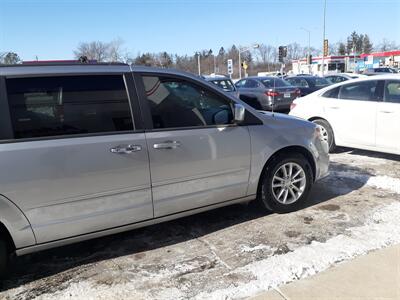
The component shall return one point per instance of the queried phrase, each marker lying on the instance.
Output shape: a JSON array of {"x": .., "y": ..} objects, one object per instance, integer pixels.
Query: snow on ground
[
  {"x": 381, "y": 230},
  {"x": 380, "y": 182}
]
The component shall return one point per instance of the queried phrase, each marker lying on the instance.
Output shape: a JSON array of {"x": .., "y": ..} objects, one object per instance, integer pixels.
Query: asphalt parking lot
[{"x": 233, "y": 252}]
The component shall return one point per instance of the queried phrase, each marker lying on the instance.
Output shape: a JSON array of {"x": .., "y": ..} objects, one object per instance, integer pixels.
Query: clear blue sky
[{"x": 51, "y": 29}]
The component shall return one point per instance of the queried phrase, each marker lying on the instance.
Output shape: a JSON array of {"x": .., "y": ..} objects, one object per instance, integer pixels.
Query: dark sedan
[
  {"x": 308, "y": 84},
  {"x": 267, "y": 93}
]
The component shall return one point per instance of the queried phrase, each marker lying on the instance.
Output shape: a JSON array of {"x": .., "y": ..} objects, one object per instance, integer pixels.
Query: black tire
[
  {"x": 4, "y": 259},
  {"x": 328, "y": 129},
  {"x": 267, "y": 197}
]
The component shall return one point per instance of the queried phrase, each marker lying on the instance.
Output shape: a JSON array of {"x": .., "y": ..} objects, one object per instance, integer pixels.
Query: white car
[{"x": 362, "y": 113}]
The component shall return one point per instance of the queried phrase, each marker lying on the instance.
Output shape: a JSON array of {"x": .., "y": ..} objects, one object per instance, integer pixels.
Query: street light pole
[
  {"x": 240, "y": 66},
  {"x": 240, "y": 58},
  {"x": 215, "y": 66},
  {"x": 198, "y": 62},
  {"x": 323, "y": 42},
  {"x": 309, "y": 45}
]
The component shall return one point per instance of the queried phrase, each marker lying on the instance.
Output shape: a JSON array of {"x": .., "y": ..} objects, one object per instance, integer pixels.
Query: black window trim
[
  {"x": 131, "y": 94},
  {"x": 6, "y": 129},
  {"x": 146, "y": 113}
]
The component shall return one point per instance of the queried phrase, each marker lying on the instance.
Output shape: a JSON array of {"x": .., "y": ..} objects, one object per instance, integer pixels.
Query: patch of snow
[
  {"x": 382, "y": 229},
  {"x": 355, "y": 159},
  {"x": 380, "y": 182},
  {"x": 246, "y": 248}
]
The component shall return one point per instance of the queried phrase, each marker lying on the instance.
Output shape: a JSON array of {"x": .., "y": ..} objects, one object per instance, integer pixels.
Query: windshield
[
  {"x": 225, "y": 84},
  {"x": 274, "y": 82},
  {"x": 320, "y": 81}
]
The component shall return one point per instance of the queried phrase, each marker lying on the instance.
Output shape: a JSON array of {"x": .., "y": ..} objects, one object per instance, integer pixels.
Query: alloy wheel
[{"x": 288, "y": 183}]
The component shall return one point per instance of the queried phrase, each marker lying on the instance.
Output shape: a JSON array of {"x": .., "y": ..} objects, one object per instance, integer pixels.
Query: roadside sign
[
  {"x": 245, "y": 66},
  {"x": 230, "y": 66},
  {"x": 326, "y": 47}
]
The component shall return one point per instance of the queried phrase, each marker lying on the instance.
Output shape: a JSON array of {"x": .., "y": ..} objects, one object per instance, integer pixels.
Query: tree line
[{"x": 261, "y": 59}]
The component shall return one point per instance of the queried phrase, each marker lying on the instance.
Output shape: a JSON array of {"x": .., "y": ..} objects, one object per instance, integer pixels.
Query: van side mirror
[{"x": 240, "y": 110}]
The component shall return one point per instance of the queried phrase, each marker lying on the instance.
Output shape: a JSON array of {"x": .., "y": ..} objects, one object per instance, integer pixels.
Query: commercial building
[
  {"x": 379, "y": 59},
  {"x": 333, "y": 64}
]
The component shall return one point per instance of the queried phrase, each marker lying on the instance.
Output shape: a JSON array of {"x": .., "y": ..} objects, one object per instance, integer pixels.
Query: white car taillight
[{"x": 292, "y": 106}]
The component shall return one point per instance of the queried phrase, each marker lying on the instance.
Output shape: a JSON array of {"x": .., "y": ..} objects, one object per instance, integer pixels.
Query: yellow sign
[
  {"x": 245, "y": 66},
  {"x": 326, "y": 48}
]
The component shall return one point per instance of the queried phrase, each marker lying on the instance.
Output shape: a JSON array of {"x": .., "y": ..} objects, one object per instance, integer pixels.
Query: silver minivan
[{"x": 92, "y": 150}]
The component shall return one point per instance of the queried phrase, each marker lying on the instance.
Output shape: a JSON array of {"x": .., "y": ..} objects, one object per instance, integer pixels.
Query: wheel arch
[
  {"x": 5, "y": 234},
  {"x": 286, "y": 150},
  {"x": 14, "y": 225},
  {"x": 317, "y": 118}
]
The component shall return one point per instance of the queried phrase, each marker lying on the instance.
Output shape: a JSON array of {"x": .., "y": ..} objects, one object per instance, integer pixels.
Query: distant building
[
  {"x": 333, "y": 64},
  {"x": 379, "y": 59}
]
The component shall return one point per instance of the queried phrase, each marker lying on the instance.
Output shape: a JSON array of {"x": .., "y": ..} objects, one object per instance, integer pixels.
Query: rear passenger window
[
  {"x": 332, "y": 93},
  {"x": 363, "y": 91},
  {"x": 392, "y": 91},
  {"x": 67, "y": 105}
]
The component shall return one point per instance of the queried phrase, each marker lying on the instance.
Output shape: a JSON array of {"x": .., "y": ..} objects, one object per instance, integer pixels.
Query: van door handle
[
  {"x": 334, "y": 107},
  {"x": 126, "y": 149},
  {"x": 387, "y": 112},
  {"x": 167, "y": 145}
]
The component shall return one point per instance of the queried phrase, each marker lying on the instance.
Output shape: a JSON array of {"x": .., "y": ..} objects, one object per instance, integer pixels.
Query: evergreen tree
[{"x": 341, "y": 49}]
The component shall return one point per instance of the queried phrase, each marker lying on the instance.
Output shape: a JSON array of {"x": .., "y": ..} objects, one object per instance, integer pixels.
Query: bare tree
[
  {"x": 294, "y": 51},
  {"x": 115, "y": 53},
  {"x": 9, "y": 58},
  {"x": 387, "y": 45},
  {"x": 95, "y": 50},
  {"x": 266, "y": 53}
]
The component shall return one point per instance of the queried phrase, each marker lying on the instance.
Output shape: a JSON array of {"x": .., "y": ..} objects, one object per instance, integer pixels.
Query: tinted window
[
  {"x": 274, "y": 82},
  {"x": 250, "y": 83},
  {"x": 177, "y": 103},
  {"x": 320, "y": 81},
  {"x": 225, "y": 84},
  {"x": 332, "y": 93},
  {"x": 301, "y": 82},
  {"x": 49, "y": 106},
  {"x": 392, "y": 91},
  {"x": 335, "y": 79},
  {"x": 240, "y": 83},
  {"x": 365, "y": 91}
]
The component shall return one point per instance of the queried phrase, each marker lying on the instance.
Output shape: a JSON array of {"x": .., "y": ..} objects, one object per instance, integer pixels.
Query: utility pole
[
  {"x": 309, "y": 46},
  {"x": 323, "y": 42},
  {"x": 198, "y": 62}
]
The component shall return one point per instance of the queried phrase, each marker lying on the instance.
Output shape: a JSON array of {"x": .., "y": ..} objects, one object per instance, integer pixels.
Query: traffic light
[
  {"x": 282, "y": 52},
  {"x": 309, "y": 59},
  {"x": 326, "y": 48}
]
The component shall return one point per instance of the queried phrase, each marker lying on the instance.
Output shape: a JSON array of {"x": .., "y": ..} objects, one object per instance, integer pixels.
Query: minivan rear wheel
[
  {"x": 286, "y": 183},
  {"x": 326, "y": 133}
]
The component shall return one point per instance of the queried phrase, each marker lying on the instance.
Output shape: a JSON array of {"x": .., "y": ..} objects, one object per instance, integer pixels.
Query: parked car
[
  {"x": 267, "y": 93},
  {"x": 78, "y": 145},
  {"x": 363, "y": 113},
  {"x": 307, "y": 84},
  {"x": 378, "y": 71},
  {"x": 224, "y": 83},
  {"x": 339, "y": 77}
]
